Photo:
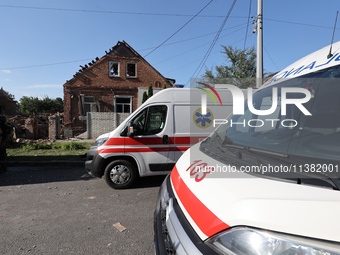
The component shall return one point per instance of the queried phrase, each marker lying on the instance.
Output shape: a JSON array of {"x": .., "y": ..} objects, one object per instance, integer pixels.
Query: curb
[{"x": 45, "y": 163}]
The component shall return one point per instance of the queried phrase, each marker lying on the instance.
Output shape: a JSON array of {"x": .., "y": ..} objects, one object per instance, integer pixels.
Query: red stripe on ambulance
[
  {"x": 121, "y": 141},
  {"x": 144, "y": 149},
  {"x": 205, "y": 219}
]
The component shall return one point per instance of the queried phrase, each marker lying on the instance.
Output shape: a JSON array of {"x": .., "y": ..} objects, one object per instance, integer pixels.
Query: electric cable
[
  {"x": 245, "y": 39},
  {"x": 200, "y": 46},
  {"x": 193, "y": 38},
  {"x": 179, "y": 28},
  {"x": 151, "y": 14},
  {"x": 42, "y": 65},
  {"x": 271, "y": 59},
  {"x": 200, "y": 66}
]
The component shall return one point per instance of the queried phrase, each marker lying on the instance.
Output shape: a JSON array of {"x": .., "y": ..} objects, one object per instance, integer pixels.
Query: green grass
[{"x": 48, "y": 151}]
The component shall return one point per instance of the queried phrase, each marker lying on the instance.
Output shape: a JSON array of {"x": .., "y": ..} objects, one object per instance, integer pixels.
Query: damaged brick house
[{"x": 108, "y": 84}]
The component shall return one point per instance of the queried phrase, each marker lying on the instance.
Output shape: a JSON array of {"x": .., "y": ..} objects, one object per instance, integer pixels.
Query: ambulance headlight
[
  {"x": 248, "y": 241},
  {"x": 100, "y": 141}
]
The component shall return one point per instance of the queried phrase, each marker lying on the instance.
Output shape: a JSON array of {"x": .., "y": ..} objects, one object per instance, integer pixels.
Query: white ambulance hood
[
  {"x": 103, "y": 136},
  {"x": 313, "y": 62},
  {"x": 213, "y": 204}
]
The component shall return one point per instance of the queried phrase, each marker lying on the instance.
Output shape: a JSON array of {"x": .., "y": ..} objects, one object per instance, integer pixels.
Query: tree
[
  {"x": 146, "y": 96},
  {"x": 240, "y": 71},
  {"x": 34, "y": 105},
  {"x": 150, "y": 91}
]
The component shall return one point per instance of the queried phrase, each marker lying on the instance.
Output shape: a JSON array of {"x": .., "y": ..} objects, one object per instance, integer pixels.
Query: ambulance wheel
[{"x": 120, "y": 174}]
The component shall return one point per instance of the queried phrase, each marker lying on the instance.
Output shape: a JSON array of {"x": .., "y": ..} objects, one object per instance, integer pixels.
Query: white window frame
[
  {"x": 127, "y": 63},
  {"x": 114, "y": 62},
  {"x": 94, "y": 107},
  {"x": 122, "y": 96}
]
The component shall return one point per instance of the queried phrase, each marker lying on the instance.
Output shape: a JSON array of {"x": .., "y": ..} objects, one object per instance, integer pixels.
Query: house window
[
  {"x": 113, "y": 69},
  {"x": 131, "y": 70},
  {"x": 88, "y": 104},
  {"x": 123, "y": 104}
]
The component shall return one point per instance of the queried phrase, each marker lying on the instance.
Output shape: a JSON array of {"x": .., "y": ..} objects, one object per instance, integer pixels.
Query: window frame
[
  {"x": 147, "y": 120},
  {"x": 114, "y": 62},
  {"x": 91, "y": 104},
  {"x": 123, "y": 96},
  {"x": 135, "y": 64}
]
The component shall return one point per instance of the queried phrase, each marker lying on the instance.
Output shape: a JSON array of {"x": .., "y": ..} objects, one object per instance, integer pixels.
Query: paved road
[{"x": 63, "y": 210}]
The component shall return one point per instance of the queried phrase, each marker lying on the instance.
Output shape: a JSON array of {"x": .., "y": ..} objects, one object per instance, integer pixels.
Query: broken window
[
  {"x": 113, "y": 68},
  {"x": 123, "y": 104},
  {"x": 131, "y": 70},
  {"x": 88, "y": 104}
]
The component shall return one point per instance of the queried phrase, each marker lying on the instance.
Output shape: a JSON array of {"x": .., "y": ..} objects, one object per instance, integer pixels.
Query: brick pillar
[
  {"x": 54, "y": 127},
  {"x": 31, "y": 128}
]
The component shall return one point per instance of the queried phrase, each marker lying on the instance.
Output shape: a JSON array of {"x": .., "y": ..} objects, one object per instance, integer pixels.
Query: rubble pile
[{"x": 30, "y": 128}]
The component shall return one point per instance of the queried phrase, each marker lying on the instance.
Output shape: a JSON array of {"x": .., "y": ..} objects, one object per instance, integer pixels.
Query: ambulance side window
[
  {"x": 151, "y": 120},
  {"x": 138, "y": 122}
]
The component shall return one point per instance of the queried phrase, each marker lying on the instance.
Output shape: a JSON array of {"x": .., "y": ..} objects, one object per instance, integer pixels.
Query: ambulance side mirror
[{"x": 130, "y": 130}]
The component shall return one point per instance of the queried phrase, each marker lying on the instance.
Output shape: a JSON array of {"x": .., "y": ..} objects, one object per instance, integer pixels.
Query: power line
[
  {"x": 148, "y": 14},
  {"x": 42, "y": 65},
  {"x": 179, "y": 28},
  {"x": 152, "y": 14},
  {"x": 245, "y": 39},
  {"x": 197, "y": 37},
  {"x": 297, "y": 23},
  {"x": 200, "y": 59},
  {"x": 109, "y": 12},
  {"x": 84, "y": 60},
  {"x": 200, "y": 66},
  {"x": 271, "y": 59},
  {"x": 192, "y": 49}
]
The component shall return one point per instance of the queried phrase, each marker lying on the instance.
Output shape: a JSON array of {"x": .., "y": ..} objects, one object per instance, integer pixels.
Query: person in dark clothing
[{"x": 5, "y": 134}]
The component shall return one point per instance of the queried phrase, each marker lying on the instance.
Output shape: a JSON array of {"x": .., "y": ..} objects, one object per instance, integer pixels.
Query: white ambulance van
[
  {"x": 151, "y": 139},
  {"x": 263, "y": 183}
]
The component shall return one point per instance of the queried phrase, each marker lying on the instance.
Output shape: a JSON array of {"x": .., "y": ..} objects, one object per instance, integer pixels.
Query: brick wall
[
  {"x": 94, "y": 80},
  {"x": 53, "y": 127}
]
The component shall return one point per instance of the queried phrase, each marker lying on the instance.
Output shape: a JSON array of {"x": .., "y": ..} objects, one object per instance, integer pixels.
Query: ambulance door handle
[{"x": 165, "y": 139}]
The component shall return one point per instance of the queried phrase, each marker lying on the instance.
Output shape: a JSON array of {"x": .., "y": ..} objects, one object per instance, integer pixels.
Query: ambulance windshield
[{"x": 288, "y": 130}]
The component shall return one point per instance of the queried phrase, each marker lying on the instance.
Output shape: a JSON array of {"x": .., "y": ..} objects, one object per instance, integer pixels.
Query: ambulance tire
[{"x": 120, "y": 174}]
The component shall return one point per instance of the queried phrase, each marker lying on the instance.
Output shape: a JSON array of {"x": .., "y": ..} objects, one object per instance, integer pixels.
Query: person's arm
[{"x": 4, "y": 139}]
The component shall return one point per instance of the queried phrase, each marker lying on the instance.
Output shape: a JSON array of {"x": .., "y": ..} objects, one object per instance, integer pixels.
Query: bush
[
  {"x": 48, "y": 146},
  {"x": 36, "y": 146},
  {"x": 72, "y": 146}
]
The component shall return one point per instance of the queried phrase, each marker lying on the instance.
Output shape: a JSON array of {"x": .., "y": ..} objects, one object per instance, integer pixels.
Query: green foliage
[
  {"x": 240, "y": 69},
  {"x": 164, "y": 87},
  {"x": 145, "y": 96},
  {"x": 150, "y": 91},
  {"x": 36, "y": 146},
  {"x": 66, "y": 146},
  {"x": 72, "y": 146},
  {"x": 34, "y": 105}
]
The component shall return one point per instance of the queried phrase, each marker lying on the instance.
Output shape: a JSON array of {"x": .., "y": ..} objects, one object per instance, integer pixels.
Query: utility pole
[{"x": 259, "y": 56}]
